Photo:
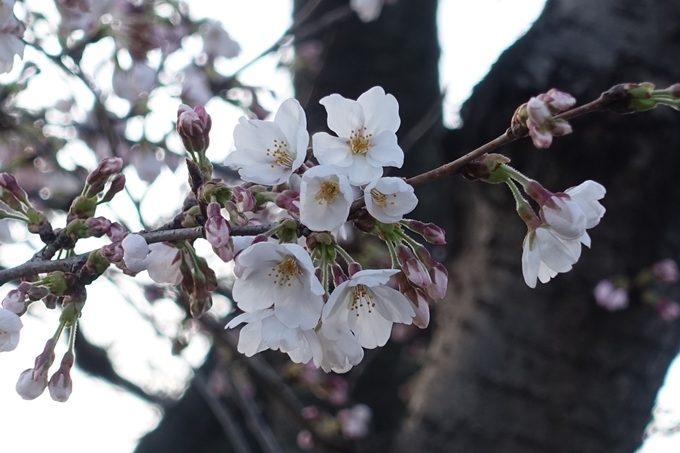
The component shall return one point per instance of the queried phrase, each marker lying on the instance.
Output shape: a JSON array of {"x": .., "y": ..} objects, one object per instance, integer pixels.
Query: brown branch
[{"x": 75, "y": 262}]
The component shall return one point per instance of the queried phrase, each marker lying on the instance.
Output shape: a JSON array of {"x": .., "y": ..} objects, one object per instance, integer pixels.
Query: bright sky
[{"x": 103, "y": 419}]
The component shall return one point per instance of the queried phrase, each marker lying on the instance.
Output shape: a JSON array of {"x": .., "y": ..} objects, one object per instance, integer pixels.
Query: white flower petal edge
[
  {"x": 389, "y": 199},
  {"x": 366, "y": 306},
  {"x": 269, "y": 152},
  {"x": 366, "y": 130},
  {"x": 325, "y": 198},
  {"x": 545, "y": 254},
  {"x": 586, "y": 195},
  {"x": 367, "y": 10},
  {"x": 281, "y": 275},
  {"x": 161, "y": 260},
  {"x": 10, "y": 325}
]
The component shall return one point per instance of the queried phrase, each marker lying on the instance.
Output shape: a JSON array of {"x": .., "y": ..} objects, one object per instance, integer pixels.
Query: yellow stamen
[
  {"x": 361, "y": 295},
  {"x": 360, "y": 141},
  {"x": 285, "y": 271},
  {"x": 281, "y": 155},
  {"x": 328, "y": 192}
]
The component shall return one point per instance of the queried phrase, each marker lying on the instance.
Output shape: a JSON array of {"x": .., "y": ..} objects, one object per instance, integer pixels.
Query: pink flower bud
[
  {"x": 97, "y": 226},
  {"x": 61, "y": 385},
  {"x": 305, "y": 440},
  {"x": 28, "y": 387},
  {"x": 107, "y": 166},
  {"x": 540, "y": 137},
  {"x": 117, "y": 185},
  {"x": 217, "y": 229},
  {"x": 113, "y": 252},
  {"x": 412, "y": 268},
  {"x": 538, "y": 111},
  {"x": 289, "y": 200},
  {"x": 559, "y": 101},
  {"x": 116, "y": 232},
  {"x": 9, "y": 183},
  {"x": 245, "y": 200},
  {"x": 559, "y": 127},
  {"x": 610, "y": 297},
  {"x": 440, "y": 280},
  {"x": 666, "y": 271},
  {"x": 429, "y": 231},
  {"x": 193, "y": 125},
  {"x": 14, "y": 301}
]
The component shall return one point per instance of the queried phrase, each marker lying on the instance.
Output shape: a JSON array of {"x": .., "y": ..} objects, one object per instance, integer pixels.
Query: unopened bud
[
  {"x": 289, "y": 200},
  {"x": 59, "y": 282},
  {"x": 83, "y": 207},
  {"x": 193, "y": 125},
  {"x": 117, "y": 185},
  {"x": 245, "y": 201},
  {"x": 61, "y": 385},
  {"x": 9, "y": 184},
  {"x": 429, "y": 231}
]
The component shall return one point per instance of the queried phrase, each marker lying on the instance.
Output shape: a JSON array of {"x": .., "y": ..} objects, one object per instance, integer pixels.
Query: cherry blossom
[
  {"x": 610, "y": 297},
  {"x": 325, "y": 198},
  {"x": 545, "y": 255},
  {"x": 10, "y": 325},
  {"x": 281, "y": 275},
  {"x": 161, "y": 260},
  {"x": 263, "y": 330},
  {"x": 389, "y": 199},
  {"x": 366, "y": 140},
  {"x": 586, "y": 196},
  {"x": 269, "y": 152},
  {"x": 31, "y": 385},
  {"x": 366, "y": 305}
]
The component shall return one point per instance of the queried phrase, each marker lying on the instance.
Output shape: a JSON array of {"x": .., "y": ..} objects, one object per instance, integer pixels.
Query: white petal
[
  {"x": 331, "y": 150},
  {"x": 371, "y": 329},
  {"x": 250, "y": 339},
  {"x": 381, "y": 111},
  {"x": 385, "y": 151},
  {"x": 531, "y": 260},
  {"x": 360, "y": 171},
  {"x": 277, "y": 336},
  {"x": 293, "y": 123},
  {"x": 344, "y": 115},
  {"x": 392, "y": 305},
  {"x": 566, "y": 219}
]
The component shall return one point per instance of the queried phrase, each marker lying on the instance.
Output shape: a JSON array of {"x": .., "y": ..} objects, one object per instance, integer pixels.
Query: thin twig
[{"x": 75, "y": 262}]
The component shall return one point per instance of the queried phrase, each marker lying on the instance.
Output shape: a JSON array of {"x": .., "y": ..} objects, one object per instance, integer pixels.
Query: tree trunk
[{"x": 512, "y": 369}]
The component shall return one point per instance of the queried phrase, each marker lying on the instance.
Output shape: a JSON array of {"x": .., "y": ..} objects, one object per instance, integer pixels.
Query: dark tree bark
[{"x": 512, "y": 369}]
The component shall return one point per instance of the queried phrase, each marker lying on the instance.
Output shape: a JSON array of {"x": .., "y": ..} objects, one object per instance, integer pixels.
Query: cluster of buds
[
  {"x": 14, "y": 204},
  {"x": 640, "y": 97},
  {"x": 652, "y": 284},
  {"x": 538, "y": 116}
]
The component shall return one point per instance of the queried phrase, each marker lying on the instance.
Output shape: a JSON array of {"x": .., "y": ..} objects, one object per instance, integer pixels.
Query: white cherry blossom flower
[
  {"x": 571, "y": 213},
  {"x": 281, "y": 275},
  {"x": 269, "y": 152},
  {"x": 325, "y": 198},
  {"x": 366, "y": 140},
  {"x": 366, "y": 305},
  {"x": 161, "y": 260},
  {"x": 263, "y": 330},
  {"x": 389, "y": 199},
  {"x": 341, "y": 353},
  {"x": 10, "y": 325},
  {"x": 545, "y": 255}
]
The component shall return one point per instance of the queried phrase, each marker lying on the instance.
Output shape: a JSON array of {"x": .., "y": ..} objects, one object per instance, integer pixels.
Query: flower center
[
  {"x": 380, "y": 198},
  {"x": 281, "y": 155},
  {"x": 360, "y": 141},
  {"x": 360, "y": 296},
  {"x": 328, "y": 192},
  {"x": 285, "y": 271}
]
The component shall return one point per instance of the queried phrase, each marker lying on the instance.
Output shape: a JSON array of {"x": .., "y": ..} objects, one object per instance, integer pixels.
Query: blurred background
[{"x": 502, "y": 368}]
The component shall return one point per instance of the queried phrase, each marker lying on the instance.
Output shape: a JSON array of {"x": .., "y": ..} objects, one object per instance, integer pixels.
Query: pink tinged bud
[
  {"x": 117, "y": 185},
  {"x": 668, "y": 309},
  {"x": 412, "y": 268},
  {"x": 429, "y": 231},
  {"x": 289, "y": 200},
  {"x": 28, "y": 387},
  {"x": 610, "y": 297},
  {"x": 541, "y": 138},
  {"x": 113, "y": 252},
  {"x": 338, "y": 275},
  {"x": 217, "y": 229},
  {"x": 559, "y": 101},
  {"x": 666, "y": 271},
  {"x": 193, "y": 125},
  {"x": 353, "y": 268},
  {"x": 440, "y": 280},
  {"x": 116, "y": 232},
  {"x": 61, "y": 385},
  {"x": 245, "y": 200},
  {"x": 107, "y": 166},
  {"x": 421, "y": 308},
  {"x": 97, "y": 226},
  {"x": 225, "y": 253},
  {"x": 559, "y": 127},
  {"x": 14, "y": 302},
  {"x": 538, "y": 111},
  {"x": 9, "y": 183}
]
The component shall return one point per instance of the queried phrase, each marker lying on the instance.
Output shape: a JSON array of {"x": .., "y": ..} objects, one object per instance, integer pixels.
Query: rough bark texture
[{"x": 517, "y": 370}]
